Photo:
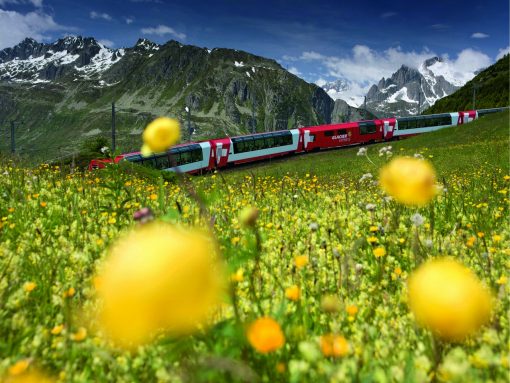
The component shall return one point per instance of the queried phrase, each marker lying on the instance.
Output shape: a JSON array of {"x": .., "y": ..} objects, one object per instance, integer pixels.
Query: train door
[
  {"x": 389, "y": 128},
  {"x": 308, "y": 139}
]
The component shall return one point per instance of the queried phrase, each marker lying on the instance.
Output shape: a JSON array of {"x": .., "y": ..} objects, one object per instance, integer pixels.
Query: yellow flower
[
  {"x": 57, "y": 329},
  {"x": 19, "y": 367},
  {"x": 379, "y": 252},
  {"x": 373, "y": 228},
  {"x": 160, "y": 135},
  {"x": 449, "y": 299},
  {"x": 496, "y": 238},
  {"x": 29, "y": 286},
  {"x": 301, "y": 261},
  {"x": 186, "y": 283},
  {"x": 397, "y": 271},
  {"x": 265, "y": 335},
  {"x": 372, "y": 239},
  {"x": 10, "y": 210},
  {"x": 410, "y": 181},
  {"x": 153, "y": 197},
  {"x": 293, "y": 293},
  {"x": 43, "y": 204},
  {"x": 237, "y": 276},
  {"x": 69, "y": 292},
  {"x": 334, "y": 345},
  {"x": 352, "y": 310},
  {"x": 112, "y": 220},
  {"x": 79, "y": 335},
  {"x": 480, "y": 234},
  {"x": 470, "y": 242},
  {"x": 502, "y": 280}
]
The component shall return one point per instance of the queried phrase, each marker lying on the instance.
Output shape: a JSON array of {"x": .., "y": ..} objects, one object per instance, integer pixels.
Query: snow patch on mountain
[{"x": 100, "y": 62}]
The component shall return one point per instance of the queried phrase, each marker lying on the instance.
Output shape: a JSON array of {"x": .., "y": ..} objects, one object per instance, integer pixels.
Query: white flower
[
  {"x": 428, "y": 243},
  {"x": 417, "y": 219},
  {"x": 387, "y": 198},
  {"x": 358, "y": 267},
  {"x": 366, "y": 176},
  {"x": 314, "y": 226},
  {"x": 105, "y": 149},
  {"x": 362, "y": 151},
  {"x": 370, "y": 207},
  {"x": 418, "y": 155}
]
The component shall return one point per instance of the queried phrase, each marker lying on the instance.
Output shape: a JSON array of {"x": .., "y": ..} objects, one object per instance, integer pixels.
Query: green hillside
[
  {"x": 465, "y": 148},
  {"x": 492, "y": 91}
]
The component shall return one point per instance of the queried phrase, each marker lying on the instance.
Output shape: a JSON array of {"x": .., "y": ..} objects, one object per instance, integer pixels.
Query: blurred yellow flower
[
  {"x": 57, "y": 329},
  {"x": 352, "y": 310},
  {"x": 79, "y": 335},
  {"x": 159, "y": 277},
  {"x": 379, "y": 252},
  {"x": 19, "y": 367},
  {"x": 69, "y": 292},
  {"x": 238, "y": 276},
  {"x": 410, "y": 181},
  {"x": 29, "y": 286},
  {"x": 502, "y": 280},
  {"x": 293, "y": 293},
  {"x": 334, "y": 345},
  {"x": 496, "y": 238},
  {"x": 248, "y": 216},
  {"x": 301, "y": 261},
  {"x": 449, "y": 299},
  {"x": 160, "y": 135},
  {"x": 265, "y": 335}
]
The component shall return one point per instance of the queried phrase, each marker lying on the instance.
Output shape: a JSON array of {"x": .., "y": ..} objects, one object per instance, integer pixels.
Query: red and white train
[{"x": 222, "y": 152}]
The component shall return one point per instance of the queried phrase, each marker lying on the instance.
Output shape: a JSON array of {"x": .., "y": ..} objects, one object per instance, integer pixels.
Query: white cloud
[
  {"x": 294, "y": 71},
  {"x": 479, "y": 35},
  {"x": 320, "y": 82},
  {"x": 97, "y": 15},
  {"x": 15, "y": 26},
  {"x": 35, "y": 3},
  {"x": 107, "y": 43},
  {"x": 502, "y": 52},
  {"x": 364, "y": 67},
  {"x": 162, "y": 30},
  {"x": 129, "y": 20}
]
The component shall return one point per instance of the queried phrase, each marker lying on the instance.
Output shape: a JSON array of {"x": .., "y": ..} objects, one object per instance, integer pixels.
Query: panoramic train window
[
  {"x": 341, "y": 132},
  {"x": 483, "y": 112},
  {"x": 261, "y": 141},
  {"x": 329, "y": 133},
  {"x": 368, "y": 127}
]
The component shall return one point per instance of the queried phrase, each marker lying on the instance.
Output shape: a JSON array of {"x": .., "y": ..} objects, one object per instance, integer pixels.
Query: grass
[{"x": 56, "y": 229}]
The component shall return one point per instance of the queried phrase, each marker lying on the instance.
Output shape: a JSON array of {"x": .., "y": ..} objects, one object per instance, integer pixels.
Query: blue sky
[{"x": 318, "y": 40}]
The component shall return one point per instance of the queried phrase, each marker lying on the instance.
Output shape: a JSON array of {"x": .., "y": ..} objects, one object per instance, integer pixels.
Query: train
[{"x": 210, "y": 155}]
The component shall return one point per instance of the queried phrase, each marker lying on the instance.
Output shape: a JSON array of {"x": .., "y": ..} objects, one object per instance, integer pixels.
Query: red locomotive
[{"x": 218, "y": 153}]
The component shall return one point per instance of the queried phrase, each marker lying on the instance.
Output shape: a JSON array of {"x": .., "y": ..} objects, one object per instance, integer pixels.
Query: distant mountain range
[
  {"x": 492, "y": 90},
  {"x": 407, "y": 91},
  {"x": 61, "y": 93}
]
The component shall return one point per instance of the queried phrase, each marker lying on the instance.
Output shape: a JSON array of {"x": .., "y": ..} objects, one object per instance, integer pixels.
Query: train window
[
  {"x": 270, "y": 141},
  {"x": 287, "y": 138},
  {"x": 402, "y": 124},
  {"x": 163, "y": 162},
  {"x": 239, "y": 147},
  {"x": 367, "y": 127},
  {"x": 341, "y": 132},
  {"x": 329, "y": 133},
  {"x": 150, "y": 162}
]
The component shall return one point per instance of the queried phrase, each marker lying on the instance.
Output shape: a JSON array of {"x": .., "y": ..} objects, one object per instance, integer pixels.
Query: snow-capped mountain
[
  {"x": 33, "y": 62},
  {"x": 405, "y": 90}
]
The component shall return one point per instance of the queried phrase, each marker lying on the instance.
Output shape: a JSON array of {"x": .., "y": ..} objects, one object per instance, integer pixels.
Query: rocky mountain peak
[{"x": 431, "y": 61}]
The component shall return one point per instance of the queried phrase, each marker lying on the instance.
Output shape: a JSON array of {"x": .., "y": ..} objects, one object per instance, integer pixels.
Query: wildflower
[
  {"x": 398, "y": 271},
  {"x": 370, "y": 207},
  {"x": 280, "y": 367},
  {"x": 496, "y": 238},
  {"x": 235, "y": 240},
  {"x": 69, "y": 293},
  {"x": 365, "y": 177},
  {"x": 334, "y": 345},
  {"x": 362, "y": 151},
  {"x": 470, "y": 242},
  {"x": 419, "y": 156},
  {"x": 293, "y": 293},
  {"x": 29, "y": 286},
  {"x": 314, "y": 226},
  {"x": 105, "y": 149},
  {"x": 410, "y": 181},
  {"x": 186, "y": 283},
  {"x": 372, "y": 239},
  {"x": 265, "y": 335},
  {"x": 238, "y": 276},
  {"x": 160, "y": 135},
  {"x": 502, "y": 280},
  {"x": 379, "y": 252},
  {"x": 248, "y": 216},
  {"x": 417, "y": 219},
  {"x": 79, "y": 335},
  {"x": 373, "y": 228},
  {"x": 448, "y": 298},
  {"x": 352, "y": 310},
  {"x": 57, "y": 329},
  {"x": 153, "y": 197},
  {"x": 19, "y": 367},
  {"x": 44, "y": 204},
  {"x": 480, "y": 234},
  {"x": 301, "y": 261},
  {"x": 112, "y": 220}
]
